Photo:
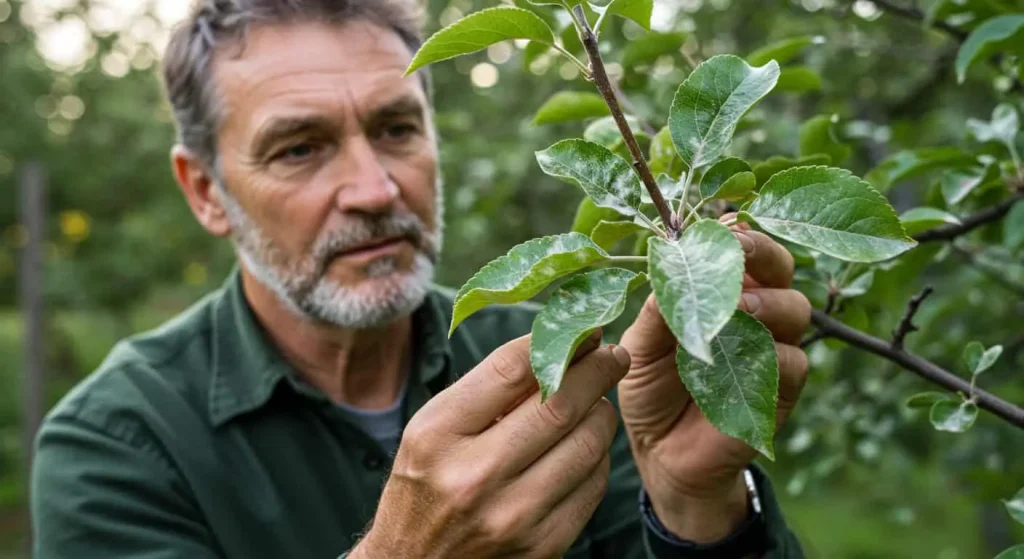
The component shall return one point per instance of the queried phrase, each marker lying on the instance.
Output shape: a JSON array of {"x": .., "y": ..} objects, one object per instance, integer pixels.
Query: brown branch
[
  {"x": 951, "y": 231},
  {"x": 833, "y": 328},
  {"x": 907, "y": 324},
  {"x": 604, "y": 85}
]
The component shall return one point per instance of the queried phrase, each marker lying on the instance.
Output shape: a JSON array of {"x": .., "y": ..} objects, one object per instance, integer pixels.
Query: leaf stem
[
  {"x": 693, "y": 212},
  {"x": 650, "y": 224},
  {"x": 600, "y": 77},
  {"x": 583, "y": 67}
]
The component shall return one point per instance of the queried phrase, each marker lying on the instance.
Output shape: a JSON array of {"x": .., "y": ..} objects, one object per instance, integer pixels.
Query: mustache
[{"x": 359, "y": 230}]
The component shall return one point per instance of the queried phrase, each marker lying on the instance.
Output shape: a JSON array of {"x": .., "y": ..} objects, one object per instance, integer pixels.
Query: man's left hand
[{"x": 691, "y": 471}]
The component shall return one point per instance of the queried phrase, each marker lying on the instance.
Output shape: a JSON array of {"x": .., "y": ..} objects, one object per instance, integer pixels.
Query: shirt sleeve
[{"x": 110, "y": 494}]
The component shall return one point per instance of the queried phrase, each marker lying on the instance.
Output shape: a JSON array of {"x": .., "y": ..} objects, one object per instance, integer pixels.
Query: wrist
[{"x": 705, "y": 518}]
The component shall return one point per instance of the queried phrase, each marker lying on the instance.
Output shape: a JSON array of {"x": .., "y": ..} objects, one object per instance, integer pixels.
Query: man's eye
[
  {"x": 297, "y": 152},
  {"x": 399, "y": 131}
]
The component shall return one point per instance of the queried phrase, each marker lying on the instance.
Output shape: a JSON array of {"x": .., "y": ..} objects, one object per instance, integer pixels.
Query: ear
[{"x": 200, "y": 190}]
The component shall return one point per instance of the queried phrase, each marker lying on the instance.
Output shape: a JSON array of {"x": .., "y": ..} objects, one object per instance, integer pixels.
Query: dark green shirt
[{"x": 197, "y": 441}]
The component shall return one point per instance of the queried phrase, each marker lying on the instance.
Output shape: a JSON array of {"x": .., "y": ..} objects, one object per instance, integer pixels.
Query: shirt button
[{"x": 373, "y": 462}]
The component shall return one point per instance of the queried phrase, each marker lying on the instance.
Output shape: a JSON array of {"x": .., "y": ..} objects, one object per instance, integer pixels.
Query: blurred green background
[{"x": 859, "y": 476}]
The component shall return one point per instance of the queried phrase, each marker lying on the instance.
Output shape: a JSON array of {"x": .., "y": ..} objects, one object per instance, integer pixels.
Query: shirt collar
[{"x": 247, "y": 367}]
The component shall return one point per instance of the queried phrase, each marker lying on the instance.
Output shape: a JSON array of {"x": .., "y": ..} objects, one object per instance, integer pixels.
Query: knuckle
[
  {"x": 462, "y": 489},
  {"x": 554, "y": 416},
  {"x": 503, "y": 526},
  {"x": 509, "y": 366},
  {"x": 589, "y": 445}
]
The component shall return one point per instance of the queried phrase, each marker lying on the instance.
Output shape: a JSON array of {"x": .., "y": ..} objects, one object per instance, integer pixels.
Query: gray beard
[{"x": 302, "y": 286}]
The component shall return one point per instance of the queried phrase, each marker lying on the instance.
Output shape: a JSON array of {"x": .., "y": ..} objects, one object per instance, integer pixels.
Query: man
[{"x": 262, "y": 422}]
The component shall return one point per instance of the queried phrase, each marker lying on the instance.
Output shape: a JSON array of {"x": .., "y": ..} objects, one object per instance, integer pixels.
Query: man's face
[{"x": 329, "y": 161}]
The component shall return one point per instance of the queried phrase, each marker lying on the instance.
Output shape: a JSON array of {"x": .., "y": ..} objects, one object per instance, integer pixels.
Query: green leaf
[
  {"x": 799, "y": 79},
  {"x": 525, "y": 271},
  {"x": 663, "y": 157},
  {"x": 922, "y": 219},
  {"x": 1013, "y": 228},
  {"x": 607, "y": 233},
  {"x": 570, "y": 38},
  {"x": 858, "y": 286},
  {"x": 647, "y": 48},
  {"x": 953, "y": 417},
  {"x": 737, "y": 393},
  {"x": 588, "y": 215},
  {"x": 481, "y": 30},
  {"x": 957, "y": 184},
  {"x": 832, "y": 211},
  {"x": 604, "y": 176},
  {"x": 995, "y": 35},
  {"x": 533, "y": 51},
  {"x": 729, "y": 179},
  {"x": 1015, "y": 552},
  {"x": 776, "y": 164},
  {"x": 962, "y": 13},
  {"x": 782, "y": 51},
  {"x": 670, "y": 188},
  {"x": 710, "y": 103},
  {"x": 927, "y": 399},
  {"x": 978, "y": 359},
  {"x": 909, "y": 164},
  {"x": 697, "y": 282},
  {"x": 579, "y": 306},
  {"x": 817, "y": 135},
  {"x": 566, "y": 106},
  {"x": 1015, "y": 507},
  {"x": 636, "y": 10},
  {"x": 605, "y": 132},
  {"x": 1002, "y": 128}
]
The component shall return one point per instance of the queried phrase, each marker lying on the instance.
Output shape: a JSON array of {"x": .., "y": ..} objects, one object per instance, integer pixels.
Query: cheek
[{"x": 416, "y": 177}]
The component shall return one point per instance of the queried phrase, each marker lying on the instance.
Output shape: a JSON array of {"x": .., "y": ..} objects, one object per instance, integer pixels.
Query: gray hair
[{"x": 187, "y": 73}]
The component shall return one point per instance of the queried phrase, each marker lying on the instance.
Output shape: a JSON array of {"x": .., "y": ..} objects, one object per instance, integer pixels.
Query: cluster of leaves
[{"x": 694, "y": 262}]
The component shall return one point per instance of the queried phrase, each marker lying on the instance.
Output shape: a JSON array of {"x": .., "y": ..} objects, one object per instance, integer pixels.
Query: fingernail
[
  {"x": 746, "y": 242},
  {"x": 621, "y": 355},
  {"x": 751, "y": 302}
]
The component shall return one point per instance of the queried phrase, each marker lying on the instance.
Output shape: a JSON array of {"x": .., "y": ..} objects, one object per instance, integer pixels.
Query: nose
[{"x": 367, "y": 187}]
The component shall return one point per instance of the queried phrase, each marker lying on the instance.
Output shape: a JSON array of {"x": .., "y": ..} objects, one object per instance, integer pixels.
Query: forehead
[{"x": 313, "y": 67}]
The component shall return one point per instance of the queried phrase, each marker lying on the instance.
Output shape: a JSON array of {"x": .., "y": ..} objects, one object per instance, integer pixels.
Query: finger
[
  {"x": 792, "y": 377},
  {"x": 557, "y": 532},
  {"x": 528, "y": 431},
  {"x": 767, "y": 262},
  {"x": 785, "y": 312},
  {"x": 570, "y": 462},
  {"x": 648, "y": 339}
]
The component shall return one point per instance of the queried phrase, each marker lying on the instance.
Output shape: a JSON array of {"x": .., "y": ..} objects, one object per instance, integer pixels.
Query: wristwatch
[{"x": 751, "y": 537}]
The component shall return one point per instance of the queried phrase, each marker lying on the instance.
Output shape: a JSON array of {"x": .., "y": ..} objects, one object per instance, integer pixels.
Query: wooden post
[{"x": 33, "y": 217}]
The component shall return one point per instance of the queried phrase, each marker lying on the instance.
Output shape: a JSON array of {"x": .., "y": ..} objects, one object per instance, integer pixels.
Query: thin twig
[
  {"x": 817, "y": 336},
  {"x": 830, "y": 305},
  {"x": 604, "y": 86},
  {"x": 833, "y": 328},
  {"x": 907, "y": 324},
  {"x": 951, "y": 231}
]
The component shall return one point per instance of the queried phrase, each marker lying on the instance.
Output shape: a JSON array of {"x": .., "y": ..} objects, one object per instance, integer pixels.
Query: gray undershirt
[{"x": 383, "y": 426}]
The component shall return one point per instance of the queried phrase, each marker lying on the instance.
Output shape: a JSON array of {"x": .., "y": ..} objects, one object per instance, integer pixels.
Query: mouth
[{"x": 375, "y": 249}]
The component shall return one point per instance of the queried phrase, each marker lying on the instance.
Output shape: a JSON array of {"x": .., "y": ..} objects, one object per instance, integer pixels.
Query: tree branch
[
  {"x": 600, "y": 77},
  {"x": 907, "y": 324},
  {"x": 951, "y": 231},
  {"x": 830, "y": 327}
]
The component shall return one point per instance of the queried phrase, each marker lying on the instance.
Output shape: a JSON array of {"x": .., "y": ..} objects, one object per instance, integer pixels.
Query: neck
[{"x": 360, "y": 368}]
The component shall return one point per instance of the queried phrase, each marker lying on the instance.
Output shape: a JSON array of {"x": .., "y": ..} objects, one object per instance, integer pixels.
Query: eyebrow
[
  {"x": 406, "y": 105},
  {"x": 280, "y": 128}
]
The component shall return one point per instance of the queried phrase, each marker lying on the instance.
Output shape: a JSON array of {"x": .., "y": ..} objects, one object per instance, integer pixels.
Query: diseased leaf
[
  {"x": 710, "y": 103},
  {"x": 832, "y": 211},
  {"x": 817, "y": 135},
  {"x": 480, "y": 30},
  {"x": 588, "y": 215},
  {"x": 1015, "y": 552},
  {"x": 1015, "y": 506},
  {"x": 782, "y": 51},
  {"x": 1013, "y": 228},
  {"x": 912, "y": 163},
  {"x": 604, "y": 176},
  {"x": 647, "y": 48},
  {"x": 1002, "y": 33},
  {"x": 922, "y": 219},
  {"x": 927, "y": 399},
  {"x": 636, "y": 10},
  {"x": 579, "y": 306},
  {"x": 799, "y": 79},
  {"x": 525, "y": 271},
  {"x": 607, "y": 233},
  {"x": 978, "y": 359},
  {"x": 957, "y": 184},
  {"x": 953, "y": 417},
  {"x": 766, "y": 169},
  {"x": 663, "y": 157},
  {"x": 670, "y": 188},
  {"x": 737, "y": 393},
  {"x": 566, "y": 106},
  {"x": 729, "y": 179},
  {"x": 697, "y": 282},
  {"x": 1002, "y": 128},
  {"x": 605, "y": 132}
]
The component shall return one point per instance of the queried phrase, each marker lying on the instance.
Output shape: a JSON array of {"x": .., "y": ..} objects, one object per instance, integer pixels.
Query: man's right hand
[{"x": 485, "y": 469}]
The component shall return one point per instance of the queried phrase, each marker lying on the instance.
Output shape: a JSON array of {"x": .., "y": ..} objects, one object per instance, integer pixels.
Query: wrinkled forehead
[{"x": 353, "y": 67}]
